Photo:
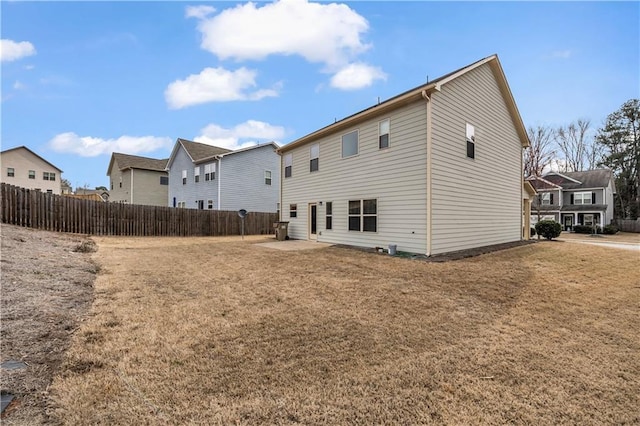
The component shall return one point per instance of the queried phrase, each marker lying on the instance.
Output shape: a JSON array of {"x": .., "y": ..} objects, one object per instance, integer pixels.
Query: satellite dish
[{"x": 242, "y": 213}]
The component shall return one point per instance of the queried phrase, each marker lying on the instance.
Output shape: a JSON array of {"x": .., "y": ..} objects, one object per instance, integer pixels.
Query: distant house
[
  {"x": 435, "y": 169},
  {"x": 91, "y": 194},
  {"x": 574, "y": 198},
  {"x": 202, "y": 176},
  {"x": 23, "y": 167},
  {"x": 137, "y": 180}
]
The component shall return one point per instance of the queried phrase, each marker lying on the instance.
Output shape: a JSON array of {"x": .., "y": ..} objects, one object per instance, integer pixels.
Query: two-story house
[
  {"x": 435, "y": 169},
  {"x": 23, "y": 167},
  {"x": 203, "y": 176},
  {"x": 574, "y": 198},
  {"x": 137, "y": 180}
]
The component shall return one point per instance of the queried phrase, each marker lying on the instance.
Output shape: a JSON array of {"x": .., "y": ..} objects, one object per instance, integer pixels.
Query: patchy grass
[{"x": 221, "y": 331}]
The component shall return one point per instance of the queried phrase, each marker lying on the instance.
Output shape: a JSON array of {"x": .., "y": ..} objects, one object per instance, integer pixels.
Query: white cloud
[
  {"x": 19, "y": 86},
  {"x": 320, "y": 33},
  {"x": 215, "y": 85},
  {"x": 357, "y": 76},
  {"x": 199, "y": 12},
  {"x": 242, "y": 135},
  {"x": 11, "y": 50},
  {"x": 87, "y": 146}
]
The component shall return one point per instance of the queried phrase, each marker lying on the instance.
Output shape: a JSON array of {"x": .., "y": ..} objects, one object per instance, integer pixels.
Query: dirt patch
[{"x": 47, "y": 289}]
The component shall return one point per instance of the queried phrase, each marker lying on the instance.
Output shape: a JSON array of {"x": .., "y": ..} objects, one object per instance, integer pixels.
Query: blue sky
[{"x": 81, "y": 80}]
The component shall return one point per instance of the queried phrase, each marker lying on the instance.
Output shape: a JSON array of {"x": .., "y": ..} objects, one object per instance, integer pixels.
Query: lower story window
[
  {"x": 363, "y": 215},
  {"x": 210, "y": 204},
  {"x": 293, "y": 210},
  {"x": 182, "y": 204},
  {"x": 329, "y": 215}
]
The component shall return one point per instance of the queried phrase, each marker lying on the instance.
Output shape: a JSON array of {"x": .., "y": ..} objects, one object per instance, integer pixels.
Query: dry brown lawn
[{"x": 222, "y": 331}]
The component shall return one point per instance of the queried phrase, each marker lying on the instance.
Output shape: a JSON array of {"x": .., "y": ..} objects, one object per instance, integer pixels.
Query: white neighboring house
[
  {"x": 435, "y": 169},
  {"x": 23, "y": 167},
  {"x": 208, "y": 177}
]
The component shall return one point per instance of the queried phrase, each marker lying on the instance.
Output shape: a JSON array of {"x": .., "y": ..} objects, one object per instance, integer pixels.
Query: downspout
[
  {"x": 219, "y": 172},
  {"x": 429, "y": 180}
]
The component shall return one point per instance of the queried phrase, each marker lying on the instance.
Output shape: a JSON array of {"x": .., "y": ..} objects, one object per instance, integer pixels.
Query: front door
[
  {"x": 568, "y": 223},
  {"x": 313, "y": 222}
]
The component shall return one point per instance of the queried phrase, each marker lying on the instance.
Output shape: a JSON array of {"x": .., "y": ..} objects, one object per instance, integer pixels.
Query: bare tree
[
  {"x": 540, "y": 154},
  {"x": 579, "y": 151}
]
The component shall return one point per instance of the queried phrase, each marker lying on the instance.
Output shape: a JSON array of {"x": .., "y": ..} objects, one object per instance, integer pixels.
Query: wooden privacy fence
[
  {"x": 628, "y": 225},
  {"x": 58, "y": 213}
]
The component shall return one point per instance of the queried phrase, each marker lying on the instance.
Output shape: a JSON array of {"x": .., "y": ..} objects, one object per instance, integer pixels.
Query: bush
[
  {"x": 610, "y": 229},
  {"x": 585, "y": 229},
  {"x": 548, "y": 229}
]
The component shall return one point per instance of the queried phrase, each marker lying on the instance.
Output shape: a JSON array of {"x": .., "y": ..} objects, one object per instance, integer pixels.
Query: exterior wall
[
  {"x": 242, "y": 180},
  {"x": 191, "y": 191},
  {"x": 120, "y": 185},
  {"x": 395, "y": 177},
  {"x": 22, "y": 161},
  {"x": 476, "y": 202},
  {"x": 600, "y": 199},
  {"x": 147, "y": 189},
  {"x": 608, "y": 199}
]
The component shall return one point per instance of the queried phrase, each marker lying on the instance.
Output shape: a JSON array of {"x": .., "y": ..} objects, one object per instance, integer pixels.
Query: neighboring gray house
[
  {"x": 23, "y": 167},
  {"x": 574, "y": 198},
  {"x": 137, "y": 180},
  {"x": 433, "y": 170},
  {"x": 203, "y": 176}
]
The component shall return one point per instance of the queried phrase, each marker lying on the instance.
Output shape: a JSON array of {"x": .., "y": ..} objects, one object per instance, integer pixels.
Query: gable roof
[
  {"x": 126, "y": 161},
  {"x": 249, "y": 148},
  {"x": 416, "y": 94},
  {"x": 598, "y": 178},
  {"x": 196, "y": 151},
  {"x": 32, "y": 153},
  {"x": 542, "y": 184}
]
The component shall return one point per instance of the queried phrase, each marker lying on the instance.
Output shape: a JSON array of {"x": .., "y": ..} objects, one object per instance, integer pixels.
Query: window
[
  {"x": 547, "y": 199},
  {"x": 164, "y": 180},
  {"x": 471, "y": 141},
  {"x": 48, "y": 176},
  {"x": 363, "y": 215},
  {"x": 267, "y": 177},
  {"x": 314, "y": 153},
  {"x": 350, "y": 144},
  {"x": 210, "y": 204},
  {"x": 11, "y": 172},
  {"x": 588, "y": 220},
  {"x": 196, "y": 174},
  {"x": 112, "y": 185},
  {"x": 182, "y": 204},
  {"x": 184, "y": 177},
  {"x": 383, "y": 134},
  {"x": 209, "y": 171},
  {"x": 32, "y": 174},
  {"x": 329, "y": 215},
  {"x": 293, "y": 210},
  {"x": 121, "y": 184},
  {"x": 200, "y": 204},
  {"x": 288, "y": 161},
  {"x": 583, "y": 198},
  {"x": 49, "y": 191}
]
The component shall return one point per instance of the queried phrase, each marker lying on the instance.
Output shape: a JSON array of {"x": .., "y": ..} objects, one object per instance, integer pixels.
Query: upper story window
[
  {"x": 547, "y": 198},
  {"x": 314, "y": 154},
  {"x": 164, "y": 180},
  {"x": 48, "y": 176},
  {"x": 209, "y": 171},
  {"x": 383, "y": 134},
  {"x": 11, "y": 172},
  {"x": 583, "y": 198},
  {"x": 350, "y": 144},
  {"x": 267, "y": 177},
  {"x": 184, "y": 177},
  {"x": 293, "y": 210},
  {"x": 196, "y": 174},
  {"x": 32, "y": 174},
  {"x": 288, "y": 163},
  {"x": 471, "y": 141}
]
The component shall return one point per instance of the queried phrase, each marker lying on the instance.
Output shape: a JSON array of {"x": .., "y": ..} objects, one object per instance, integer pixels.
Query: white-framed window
[
  {"x": 329, "y": 215},
  {"x": 363, "y": 215},
  {"x": 209, "y": 171},
  {"x": 383, "y": 134},
  {"x": 350, "y": 144},
  {"x": 267, "y": 177},
  {"x": 314, "y": 154},
  {"x": 196, "y": 174},
  {"x": 49, "y": 191},
  {"x": 547, "y": 198},
  {"x": 293, "y": 210},
  {"x": 48, "y": 176},
  {"x": 11, "y": 172},
  {"x": 210, "y": 204},
  {"x": 184, "y": 177},
  {"x": 588, "y": 220},
  {"x": 582, "y": 198},
  {"x": 32, "y": 174},
  {"x": 288, "y": 164},
  {"x": 164, "y": 180},
  {"x": 471, "y": 141},
  {"x": 182, "y": 204}
]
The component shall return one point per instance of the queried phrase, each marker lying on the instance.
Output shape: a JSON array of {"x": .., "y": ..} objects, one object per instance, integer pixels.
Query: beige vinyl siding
[
  {"x": 147, "y": 189},
  {"x": 21, "y": 160},
  {"x": 394, "y": 176},
  {"x": 476, "y": 202},
  {"x": 120, "y": 194}
]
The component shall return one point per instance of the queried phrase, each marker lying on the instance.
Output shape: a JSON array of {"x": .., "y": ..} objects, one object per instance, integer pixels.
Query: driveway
[{"x": 621, "y": 241}]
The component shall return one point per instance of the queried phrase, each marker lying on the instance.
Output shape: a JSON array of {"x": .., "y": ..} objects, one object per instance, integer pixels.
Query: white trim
[{"x": 219, "y": 178}]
